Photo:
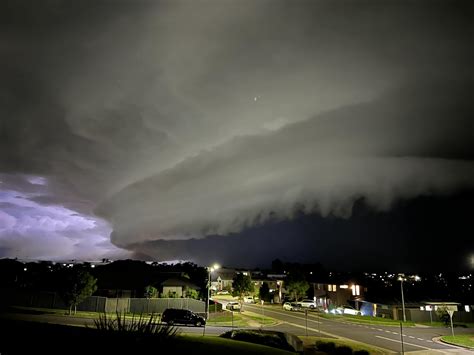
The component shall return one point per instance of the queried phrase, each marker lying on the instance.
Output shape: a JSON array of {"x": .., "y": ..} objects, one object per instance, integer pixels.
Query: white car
[
  {"x": 291, "y": 306},
  {"x": 249, "y": 299},
  {"x": 347, "y": 310},
  {"x": 233, "y": 306},
  {"x": 307, "y": 304}
]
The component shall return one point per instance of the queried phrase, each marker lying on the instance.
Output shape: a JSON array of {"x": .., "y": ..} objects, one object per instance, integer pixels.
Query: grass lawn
[
  {"x": 466, "y": 340},
  {"x": 53, "y": 311},
  {"x": 366, "y": 320},
  {"x": 355, "y": 346},
  {"x": 442, "y": 325},
  {"x": 216, "y": 345},
  {"x": 20, "y": 337},
  {"x": 244, "y": 319}
]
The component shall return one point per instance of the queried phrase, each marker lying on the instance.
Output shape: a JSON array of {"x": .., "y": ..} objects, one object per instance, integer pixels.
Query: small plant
[{"x": 140, "y": 327}]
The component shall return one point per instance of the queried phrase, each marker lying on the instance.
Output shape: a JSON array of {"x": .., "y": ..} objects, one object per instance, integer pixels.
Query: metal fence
[{"x": 103, "y": 304}]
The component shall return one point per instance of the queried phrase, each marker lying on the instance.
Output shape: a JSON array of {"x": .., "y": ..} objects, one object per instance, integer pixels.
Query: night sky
[{"x": 338, "y": 132}]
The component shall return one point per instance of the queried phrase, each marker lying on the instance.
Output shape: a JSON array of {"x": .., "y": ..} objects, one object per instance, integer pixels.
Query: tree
[
  {"x": 77, "y": 285},
  {"x": 297, "y": 288},
  {"x": 151, "y": 292},
  {"x": 241, "y": 285},
  {"x": 264, "y": 292},
  {"x": 443, "y": 315},
  {"x": 192, "y": 293}
]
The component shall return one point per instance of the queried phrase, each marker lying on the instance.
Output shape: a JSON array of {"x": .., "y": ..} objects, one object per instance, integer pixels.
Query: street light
[
  {"x": 401, "y": 279},
  {"x": 209, "y": 270}
]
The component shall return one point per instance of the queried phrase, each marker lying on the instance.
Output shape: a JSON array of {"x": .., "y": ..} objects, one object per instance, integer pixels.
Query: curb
[{"x": 441, "y": 341}]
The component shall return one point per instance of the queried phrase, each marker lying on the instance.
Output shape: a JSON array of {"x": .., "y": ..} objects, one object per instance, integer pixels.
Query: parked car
[
  {"x": 292, "y": 306},
  {"x": 350, "y": 310},
  {"x": 233, "y": 306},
  {"x": 249, "y": 299},
  {"x": 223, "y": 292},
  {"x": 182, "y": 316},
  {"x": 307, "y": 304},
  {"x": 346, "y": 310}
]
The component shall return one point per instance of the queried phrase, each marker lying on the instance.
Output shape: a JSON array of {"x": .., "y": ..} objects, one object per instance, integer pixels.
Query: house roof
[{"x": 176, "y": 282}]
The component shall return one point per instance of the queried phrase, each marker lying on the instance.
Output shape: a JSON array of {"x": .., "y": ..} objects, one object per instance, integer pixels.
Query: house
[
  {"x": 335, "y": 294},
  {"x": 275, "y": 284},
  {"x": 221, "y": 279},
  {"x": 177, "y": 287}
]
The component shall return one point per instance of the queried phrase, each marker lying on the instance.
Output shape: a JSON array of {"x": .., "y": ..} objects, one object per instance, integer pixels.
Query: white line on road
[
  {"x": 340, "y": 337},
  {"x": 419, "y": 346}
]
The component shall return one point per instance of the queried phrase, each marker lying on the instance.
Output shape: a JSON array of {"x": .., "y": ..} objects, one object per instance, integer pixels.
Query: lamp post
[
  {"x": 210, "y": 269},
  {"x": 401, "y": 279}
]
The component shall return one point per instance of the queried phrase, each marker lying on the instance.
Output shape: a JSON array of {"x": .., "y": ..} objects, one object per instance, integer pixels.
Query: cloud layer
[
  {"x": 178, "y": 119},
  {"x": 393, "y": 148}
]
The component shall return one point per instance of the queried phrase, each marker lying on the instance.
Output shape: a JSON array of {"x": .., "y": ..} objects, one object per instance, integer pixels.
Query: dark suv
[{"x": 182, "y": 316}]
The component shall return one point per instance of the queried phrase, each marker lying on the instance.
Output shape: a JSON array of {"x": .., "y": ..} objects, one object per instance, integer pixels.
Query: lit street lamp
[
  {"x": 209, "y": 270},
  {"x": 401, "y": 278}
]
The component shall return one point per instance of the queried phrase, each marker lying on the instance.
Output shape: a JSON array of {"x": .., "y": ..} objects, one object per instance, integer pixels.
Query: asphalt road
[{"x": 385, "y": 337}]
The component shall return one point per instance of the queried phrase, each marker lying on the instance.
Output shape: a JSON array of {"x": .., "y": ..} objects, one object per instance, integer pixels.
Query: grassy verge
[
  {"x": 216, "y": 345},
  {"x": 58, "y": 339},
  {"x": 465, "y": 340},
  {"x": 442, "y": 325},
  {"x": 355, "y": 346},
  {"x": 366, "y": 320},
  {"x": 245, "y": 319},
  {"x": 52, "y": 311}
]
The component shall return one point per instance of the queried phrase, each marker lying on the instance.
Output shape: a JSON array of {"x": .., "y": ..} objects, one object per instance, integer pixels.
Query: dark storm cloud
[
  {"x": 427, "y": 233},
  {"x": 211, "y": 112},
  {"x": 408, "y": 143}
]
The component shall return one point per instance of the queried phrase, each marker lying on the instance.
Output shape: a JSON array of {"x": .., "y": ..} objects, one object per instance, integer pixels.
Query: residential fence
[
  {"x": 103, "y": 304},
  {"x": 416, "y": 315}
]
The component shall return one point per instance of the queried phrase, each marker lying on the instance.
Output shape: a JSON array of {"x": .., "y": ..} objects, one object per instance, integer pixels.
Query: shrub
[
  {"x": 343, "y": 350},
  {"x": 136, "y": 327}
]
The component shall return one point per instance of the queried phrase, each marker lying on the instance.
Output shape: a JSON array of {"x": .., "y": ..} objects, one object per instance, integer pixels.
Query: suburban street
[{"x": 385, "y": 337}]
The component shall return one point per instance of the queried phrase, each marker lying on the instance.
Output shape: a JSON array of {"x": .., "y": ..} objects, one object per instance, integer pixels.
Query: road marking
[
  {"x": 340, "y": 337},
  {"x": 419, "y": 346},
  {"x": 429, "y": 341},
  {"x": 411, "y": 337},
  {"x": 384, "y": 350},
  {"x": 395, "y": 333}
]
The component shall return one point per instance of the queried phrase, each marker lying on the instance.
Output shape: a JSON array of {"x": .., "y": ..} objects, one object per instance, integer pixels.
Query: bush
[
  {"x": 328, "y": 348},
  {"x": 331, "y": 349},
  {"x": 138, "y": 328},
  {"x": 343, "y": 350},
  {"x": 273, "y": 339}
]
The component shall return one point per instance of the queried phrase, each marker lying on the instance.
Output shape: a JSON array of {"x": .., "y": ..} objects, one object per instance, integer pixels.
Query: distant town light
[
  {"x": 24, "y": 269},
  {"x": 467, "y": 308}
]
